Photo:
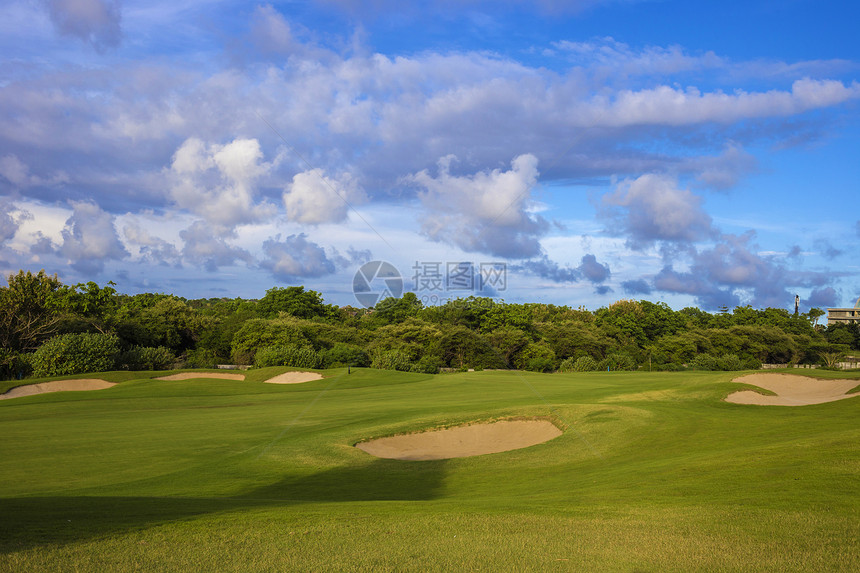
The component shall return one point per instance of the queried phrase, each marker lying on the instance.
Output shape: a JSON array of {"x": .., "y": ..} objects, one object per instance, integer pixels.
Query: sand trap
[
  {"x": 294, "y": 378},
  {"x": 792, "y": 390},
  {"x": 57, "y": 386},
  {"x": 463, "y": 441},
  {"x": 190, "y": 375}
]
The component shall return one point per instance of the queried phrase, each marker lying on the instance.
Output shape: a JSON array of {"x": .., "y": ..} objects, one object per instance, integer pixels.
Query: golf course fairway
[{"x": 652, "y": 472}]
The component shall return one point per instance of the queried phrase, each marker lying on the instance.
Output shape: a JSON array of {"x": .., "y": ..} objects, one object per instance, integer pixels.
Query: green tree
[
  {"x": 295, "y": 301},
  {"x": 30, "y": 310}
]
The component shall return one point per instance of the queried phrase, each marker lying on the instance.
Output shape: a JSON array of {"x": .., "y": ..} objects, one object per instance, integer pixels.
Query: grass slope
[{"x": 653, "y": 473}]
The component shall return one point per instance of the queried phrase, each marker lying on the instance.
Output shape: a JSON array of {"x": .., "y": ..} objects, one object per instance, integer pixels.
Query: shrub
[
  {"x": 201, "y": 358},
  {"x": 729, "y": 362},
  {"x": 581, "y": 364},
  {"x": 146, "y": 358},
  {"x": 76, "y": 353},
  {"x": 540, "y": 364},
  {"x": 391, "y": 360},
  {"x": 705, "y": 362},
  {"x": 295, "y": 356},
  {"x": 427, "y": 365},
  {"x": 536, "y": 356},
  {"x": 345, "y": 355},
  {"x": 617, "y": 361},
  {"x": 14, "y": 365}
]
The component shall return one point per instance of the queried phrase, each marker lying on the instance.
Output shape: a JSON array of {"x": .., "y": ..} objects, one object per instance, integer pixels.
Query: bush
[
  {"x": 391, "y": 360},
  {"x": 729, "y": 362},
  {"x": 669, "y": 367},
  {"x": 76, "y": 353},
  {"x": 201, "y": 358},
  {"x": 295, "y": 356},
  {"x": 617, "y": 361},
  {"x": 585, "y": 364},
  {"x": 345, "y": 355},
  {"x": 146, "y": 358},
  {"x": 14, "y": 365},
  {"x": 705, "y": 362},
  {"x": 540, "y": 364},
  {"x": 536, "y": 356},
  {"x": 427, "y": 365}
]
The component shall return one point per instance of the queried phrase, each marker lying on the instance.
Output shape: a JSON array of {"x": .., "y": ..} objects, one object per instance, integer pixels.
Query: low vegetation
[{"x": 41, "y": 320}]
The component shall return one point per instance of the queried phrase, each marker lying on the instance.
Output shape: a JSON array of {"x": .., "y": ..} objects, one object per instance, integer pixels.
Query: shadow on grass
[{"x": 28, "y": 522}]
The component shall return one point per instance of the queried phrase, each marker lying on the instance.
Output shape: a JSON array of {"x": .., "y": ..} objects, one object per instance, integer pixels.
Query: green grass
[{"x": 655, "y": 472}]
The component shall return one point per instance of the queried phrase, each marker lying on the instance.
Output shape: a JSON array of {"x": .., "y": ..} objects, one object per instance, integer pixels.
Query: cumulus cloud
[
  {"x": 549, "y": 269},
  {"x": 217, "y": 182},
  {"x": 725, "y": 170},
  {"x": 589, "y": 269},
  {"x": 313, "y": 198},
  {"x": 95, "y": 22},
  {"x": 708, "y": 295},
  {"x": 10, "y": 219},
  {"x": 826, "y": 297},
  {"x": 652, "y": 208},
  {"x": 204, "y": 246},
  {"x": 90, "y": 239},
  {"x": 731, "y": 272},
  {"x": 636, "y": 286},
  {"x": 295, "y": 257},
  {"x": 152, "y": 249},
  {"x": 485, "y": 212},
  {"x": 593, "y": 270}
]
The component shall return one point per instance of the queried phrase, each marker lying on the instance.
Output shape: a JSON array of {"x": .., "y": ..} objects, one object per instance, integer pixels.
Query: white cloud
[
  {"x": 652, "y": 208},
  {"x": 90, "y": 238},
  {"x": 313, "y": 198},
  {"x": 483, "y": 212},
  {"x": 296, "y": 257},
  {"x": 665, "y": 105},
  {"x": 208, "y": 247},
  {"x": 217, "y": 182}
]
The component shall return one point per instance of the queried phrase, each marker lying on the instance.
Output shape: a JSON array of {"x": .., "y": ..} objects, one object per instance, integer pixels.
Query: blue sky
[{"x": 696, "y": 153}]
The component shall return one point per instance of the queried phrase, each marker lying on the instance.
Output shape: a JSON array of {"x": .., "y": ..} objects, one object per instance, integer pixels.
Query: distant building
[{"x": 844, "y": 315}]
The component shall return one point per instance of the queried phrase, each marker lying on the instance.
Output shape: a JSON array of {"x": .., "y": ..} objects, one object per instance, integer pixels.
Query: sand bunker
[
  {"x": 294, "y": 378},
  {"x": 792, "y": 390},
  {"x": 463, "y": 441},
  {"x": 57, "y": 386},
  {"x": 189, "y": 375}
]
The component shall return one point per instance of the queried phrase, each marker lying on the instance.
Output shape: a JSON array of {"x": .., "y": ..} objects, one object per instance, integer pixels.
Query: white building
[{"x": 844, "y": 315}]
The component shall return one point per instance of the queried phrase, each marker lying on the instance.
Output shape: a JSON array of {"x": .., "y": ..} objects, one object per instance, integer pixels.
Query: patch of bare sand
[
  {"x": 57, "y": 386},
  {"x": 190, "y": 375},
  {"x": 792, "y": 390},
  {"x": 294, "y": 377},
  {"x": 463, "y": 441}
]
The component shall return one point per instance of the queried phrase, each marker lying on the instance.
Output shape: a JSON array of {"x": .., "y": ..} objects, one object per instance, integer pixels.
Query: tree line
[{"x": 48, "y": 328}]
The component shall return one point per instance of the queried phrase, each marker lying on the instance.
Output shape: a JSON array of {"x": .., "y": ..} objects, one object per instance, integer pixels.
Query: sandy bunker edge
[
  {"x": 792, "y": 390},
  {"x": 475, "y": 439}
]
